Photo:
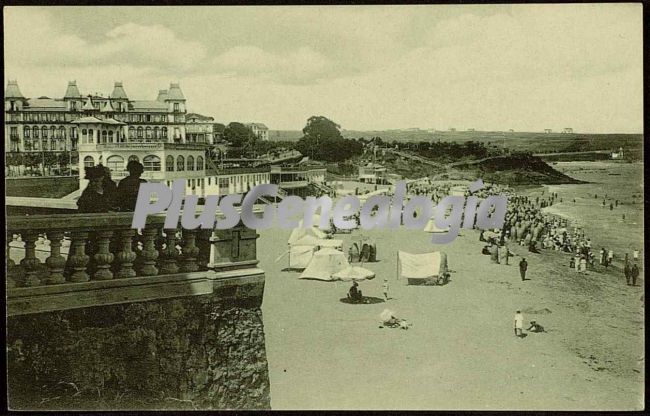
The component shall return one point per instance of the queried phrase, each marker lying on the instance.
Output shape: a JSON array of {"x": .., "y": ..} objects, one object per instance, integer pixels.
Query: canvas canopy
[
  {"x": 324, "y": 264},
  {"x": 421, "y": 266}
]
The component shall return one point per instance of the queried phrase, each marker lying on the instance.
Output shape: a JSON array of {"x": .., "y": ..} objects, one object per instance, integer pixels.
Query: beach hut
[
  {"x": 324, "y": 264},
  {"x": 423, "y": 269}
]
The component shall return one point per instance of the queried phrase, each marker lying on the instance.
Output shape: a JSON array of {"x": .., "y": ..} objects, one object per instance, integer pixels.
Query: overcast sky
[{"x": 526, "y": 67}]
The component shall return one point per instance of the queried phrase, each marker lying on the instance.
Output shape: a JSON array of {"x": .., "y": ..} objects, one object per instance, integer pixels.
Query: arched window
[
  {"x": 134, "y": 157},
  {"x": 139, "y": 132},
  {"x": 131, "y": 132},
  {"x": 110, "y": 136},
  {"x": 115, "y": 163},
  {"x": 104, "y": 136},
  {"x": 169, "y": 163},
  {"x": 89, "y": 162},
  {"x": 151, "y": 163},
  {"x": 156, "y": 133},
  {"x": 44, "y": 132},
  {"x": 26, "y": 132},
  {"x": 199, "y": 163},
  {"x": 62, "y": 132},
  {"x": 36, "y": 131},
  {"x": 52, "y": 131},
  {"x": 148, "y": 132},
  {"x": 190, "y": 163},
  {"x": 180, "y": 163}
]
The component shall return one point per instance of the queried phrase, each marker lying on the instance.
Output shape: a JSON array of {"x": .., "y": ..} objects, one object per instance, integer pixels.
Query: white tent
[
  {"x": 432, "y": 228},
  {"x": 300, "y": 256},
  {"x": 331, "y": 243},
  {"x": 324, "y": 264},
  {"x": 421, "y": 268},
  {"x": 355, "y": 273},
  {"x": 299, "y": 233}
]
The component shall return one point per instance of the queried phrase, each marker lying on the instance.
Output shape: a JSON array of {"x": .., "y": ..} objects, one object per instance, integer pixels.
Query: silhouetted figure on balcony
[
  {"x": 110, "y": 188},
  {"x": 95, "y": 198},
  {"x": 128, "y": 188}
]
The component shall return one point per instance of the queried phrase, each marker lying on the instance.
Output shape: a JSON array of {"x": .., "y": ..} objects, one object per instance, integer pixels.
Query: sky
[{"x": 487, "y": 67}]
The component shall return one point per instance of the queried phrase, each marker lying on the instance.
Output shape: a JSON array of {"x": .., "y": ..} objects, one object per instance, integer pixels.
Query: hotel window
[
  {"x": 177, "y": 133},
  {"x": 131, "y": 133},
  {"x": 190, "y": 163},
  {"x": 110, "y": 136},
  {"x": 180, "y": 163},
  {"x": 115, "y": 162},
  {"x": 156, "y": 133},
  {"x": 53, "y": 132},
  {"x": 199, "y": 163},
  {"x": 148, "y": 116},
  {"x": 35, "y": 130},
  {"x": 139, "y": 132},
  {"x": 209, "y": 181},
  {"x": 52, "y": 144},
  {"x": 44, "y": 132},
  {"x": 169, "y": 163},
  {"x": 91, "y": 135},
  {"x": 177, "y": 107},
  {"x": 62, "y": 132},
  {"x": 149, "y": 133},
  {"x": 28, "y": 144},
  {"x": 164, "y": 132},
  {"x": 26, "y": 132},
  {"x": 140, "y": 117},
  {"x": 104, "y": 136},
  {"x": 163, "y": 118},
  {"x": 89, "y": 162},
  {"x": 151, "y": 163}
]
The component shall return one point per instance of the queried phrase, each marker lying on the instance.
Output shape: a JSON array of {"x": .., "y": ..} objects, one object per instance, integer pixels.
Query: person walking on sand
[
  {"x": 523, "y": 267},
  {"x": 603, "y": 256},
  {"x": 628, "y": 273},
  {"x": 635, "y": 273},
  {"x": 385, "y": 288},
  {"x": 519, "y": 324},
  {"x": 610, "y": 256}
]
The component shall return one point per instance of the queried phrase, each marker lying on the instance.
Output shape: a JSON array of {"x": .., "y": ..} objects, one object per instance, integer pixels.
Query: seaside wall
[{"x": 189, "y": 353}]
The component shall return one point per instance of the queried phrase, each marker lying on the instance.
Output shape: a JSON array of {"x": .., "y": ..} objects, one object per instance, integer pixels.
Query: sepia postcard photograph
[{"x": 324, "y": 207}]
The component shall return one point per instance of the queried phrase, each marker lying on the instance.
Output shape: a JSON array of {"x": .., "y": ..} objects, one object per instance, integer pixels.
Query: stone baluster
[
  {"x": 125, "y": 256},
  {"x": 190, "y": 252},
  {"x": 30, "y": 263},
  {"x": 170, "y": 254},
  {"x": 103, "y": 258},
  {"x": 149, "y": 253},
  {"x": 56, "y": 262},
  {"x": 216, "y": 256},
  {"x": 203, "y": 243},
  {"x": 78, "y": 258},
  {"x": 11, "y": 265}
]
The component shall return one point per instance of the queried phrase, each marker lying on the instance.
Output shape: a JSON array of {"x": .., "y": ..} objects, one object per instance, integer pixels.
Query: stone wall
[{"x": 198, "y": 352}]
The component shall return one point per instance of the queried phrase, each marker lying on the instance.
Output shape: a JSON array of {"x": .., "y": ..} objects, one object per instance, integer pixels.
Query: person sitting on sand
[
  {"x": 535, "y": 327},
  {"x": 355, "y": 294}
]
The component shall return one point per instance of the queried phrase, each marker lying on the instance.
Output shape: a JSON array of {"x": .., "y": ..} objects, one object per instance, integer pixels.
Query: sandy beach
[{"x": 461, "y": 352}]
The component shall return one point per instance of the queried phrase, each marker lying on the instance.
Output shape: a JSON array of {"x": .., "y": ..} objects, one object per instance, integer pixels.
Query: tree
[
  {"x": 319, "y": 127},
  {"x": 49, "y": 160},
  {"x": 238, "y": 134},
  {"x": 322, "y": 140}
]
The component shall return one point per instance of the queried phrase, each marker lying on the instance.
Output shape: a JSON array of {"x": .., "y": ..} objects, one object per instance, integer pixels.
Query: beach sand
[{"x": 461, "y": 352}]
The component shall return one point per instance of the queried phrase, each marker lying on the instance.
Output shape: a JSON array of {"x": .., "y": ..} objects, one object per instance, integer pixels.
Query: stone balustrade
[{"x": 109, "y": 262}]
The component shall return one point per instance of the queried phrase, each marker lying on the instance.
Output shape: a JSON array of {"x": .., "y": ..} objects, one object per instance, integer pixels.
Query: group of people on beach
[{"x": 104, "y": 195}]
